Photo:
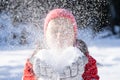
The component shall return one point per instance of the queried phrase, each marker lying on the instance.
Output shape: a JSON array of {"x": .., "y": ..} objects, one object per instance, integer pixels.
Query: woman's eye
[
  {"x": 54, "y": 31},
  {"x": 66, "y": 32}
]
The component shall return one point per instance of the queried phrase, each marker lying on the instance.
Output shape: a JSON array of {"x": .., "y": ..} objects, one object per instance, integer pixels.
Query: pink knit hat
[{"x": 56, "y": 13}]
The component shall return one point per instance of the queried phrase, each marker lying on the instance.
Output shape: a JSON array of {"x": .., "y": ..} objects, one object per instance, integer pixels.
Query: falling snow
[{"x": 21, "y": 23}]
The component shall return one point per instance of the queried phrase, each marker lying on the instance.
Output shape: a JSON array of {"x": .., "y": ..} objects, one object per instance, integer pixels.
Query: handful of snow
[{"x": 58, "y": 60}]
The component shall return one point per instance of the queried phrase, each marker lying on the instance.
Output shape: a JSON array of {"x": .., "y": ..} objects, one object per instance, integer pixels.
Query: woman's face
[{"x": 60, "y": 33}]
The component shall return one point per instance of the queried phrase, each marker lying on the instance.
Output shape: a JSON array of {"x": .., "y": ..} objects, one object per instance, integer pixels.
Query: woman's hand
[{"x": 82, "y": 46}]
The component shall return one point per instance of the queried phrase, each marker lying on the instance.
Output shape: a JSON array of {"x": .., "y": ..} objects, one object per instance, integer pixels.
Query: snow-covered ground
[{"x": 105, "y": 51}]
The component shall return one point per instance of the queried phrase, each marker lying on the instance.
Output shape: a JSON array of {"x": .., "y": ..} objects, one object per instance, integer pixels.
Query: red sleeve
[
  {"x": 91, "y": 71},
  {"x": 28, "y": 72}
]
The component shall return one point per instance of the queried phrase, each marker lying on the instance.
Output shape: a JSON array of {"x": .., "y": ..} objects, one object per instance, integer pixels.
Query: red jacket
[{"x": 90, "y": 72}]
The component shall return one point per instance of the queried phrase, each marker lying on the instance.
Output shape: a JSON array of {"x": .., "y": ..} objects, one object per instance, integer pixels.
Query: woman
[{"x": 60, "y": 31}]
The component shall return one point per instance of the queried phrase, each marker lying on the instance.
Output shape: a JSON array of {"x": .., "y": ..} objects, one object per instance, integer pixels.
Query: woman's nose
[{"x": 58, "y": 35}]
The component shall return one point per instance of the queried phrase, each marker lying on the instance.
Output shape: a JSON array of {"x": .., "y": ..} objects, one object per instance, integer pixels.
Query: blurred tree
[
  {"x": 115, "y": 15},
  {"x": 88, "y": 13}
]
